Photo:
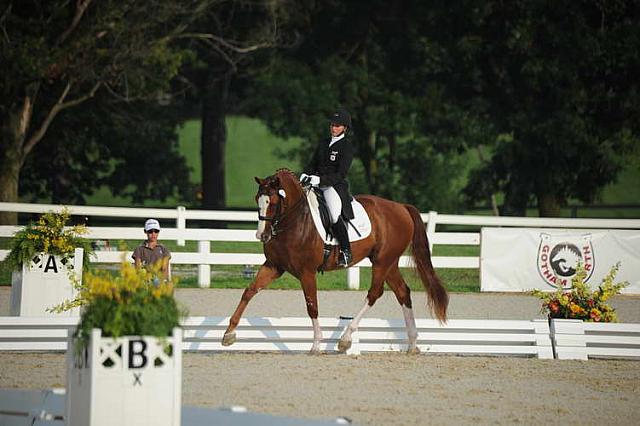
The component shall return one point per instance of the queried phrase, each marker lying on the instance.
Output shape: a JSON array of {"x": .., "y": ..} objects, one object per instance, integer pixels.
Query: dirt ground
[{"x": 389, "y": 388}]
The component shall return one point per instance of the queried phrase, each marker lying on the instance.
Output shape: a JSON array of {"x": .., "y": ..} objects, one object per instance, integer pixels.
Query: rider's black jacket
[{"x": 332, "y": 164}]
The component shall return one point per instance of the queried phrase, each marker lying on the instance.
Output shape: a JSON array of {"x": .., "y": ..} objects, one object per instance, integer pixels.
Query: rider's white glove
[
  {"x": 315, "y": 180},
  {"x": 303, "y": 177}
]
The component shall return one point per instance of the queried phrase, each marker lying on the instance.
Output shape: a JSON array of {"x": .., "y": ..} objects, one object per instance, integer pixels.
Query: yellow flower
[
  {"x": 576, "y": 309},
  {"x": 580, "y": 301}
]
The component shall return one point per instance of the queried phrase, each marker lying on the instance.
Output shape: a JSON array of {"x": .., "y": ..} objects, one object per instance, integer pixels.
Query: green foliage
[
  {"x": 561, "y": 84},
  {"x": 116, "y": 42},
  {"x": 58, "y": 54},
  {"x": 408, "y": 133},
  {"x": 48, "y": 235},
  {"x": 580, "y": 302},
  {"x": 130, "y": 148},
  {"x": 553, "y": 97}
]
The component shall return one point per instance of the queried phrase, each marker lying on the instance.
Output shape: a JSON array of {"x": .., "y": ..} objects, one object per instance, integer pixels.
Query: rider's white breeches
[{"x": 333, "y": 202}]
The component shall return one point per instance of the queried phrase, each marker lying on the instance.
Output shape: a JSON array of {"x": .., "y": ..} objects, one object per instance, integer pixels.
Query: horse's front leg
[
  {"x": 308, "y": 281},
  {"x": 266, "y": 274}
]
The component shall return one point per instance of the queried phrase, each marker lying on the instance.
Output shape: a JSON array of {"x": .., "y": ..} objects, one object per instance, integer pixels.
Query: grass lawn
[{"x": 251, "y": 150}]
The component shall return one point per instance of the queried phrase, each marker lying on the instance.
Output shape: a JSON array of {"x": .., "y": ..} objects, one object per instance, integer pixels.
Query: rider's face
[{"x": 336, "y": 129}]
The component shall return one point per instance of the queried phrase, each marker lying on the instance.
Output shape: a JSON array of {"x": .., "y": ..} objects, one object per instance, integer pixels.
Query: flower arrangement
[
  {"x": 48, "y": 235},
  {"x": 580, "y": 302},
  {"x": 130, "y": 302}
]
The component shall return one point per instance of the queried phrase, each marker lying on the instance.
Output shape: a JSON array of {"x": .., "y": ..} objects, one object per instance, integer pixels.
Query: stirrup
[{"x": 344, "y": 258}]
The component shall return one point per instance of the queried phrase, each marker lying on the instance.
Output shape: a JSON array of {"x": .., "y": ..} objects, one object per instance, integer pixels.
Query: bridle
[
  {"x": 279, "y": 215},
  {"x": 276, "y": 216}
]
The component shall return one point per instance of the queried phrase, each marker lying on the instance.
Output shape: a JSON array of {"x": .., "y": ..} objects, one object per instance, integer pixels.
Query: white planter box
[
  {"x": 129, "y": 380},
  {"x": 568, "y": 339},
  {"x": 44, "y": 283},
  {"x": 574, "y": 339}
]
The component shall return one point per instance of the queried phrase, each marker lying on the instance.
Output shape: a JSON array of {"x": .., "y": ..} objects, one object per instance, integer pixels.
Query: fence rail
[
  {"x": 204, "y": 257},
  {"x": 565, "y": 339},
  {"x": 480, "y": 337}
]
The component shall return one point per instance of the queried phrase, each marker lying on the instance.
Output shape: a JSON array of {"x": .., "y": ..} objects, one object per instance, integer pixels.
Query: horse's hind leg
[
  {"x": 266, "y": 274},
  {"x": 378, "y": 275},
  {"x": 403, "y": 294}
]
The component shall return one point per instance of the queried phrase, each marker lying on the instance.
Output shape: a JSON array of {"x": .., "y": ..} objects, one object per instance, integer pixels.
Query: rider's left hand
[{"x": 315, "y": 180}]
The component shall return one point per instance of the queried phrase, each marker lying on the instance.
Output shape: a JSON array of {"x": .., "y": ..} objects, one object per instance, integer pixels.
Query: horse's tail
[{"x": 438, "y": 298}]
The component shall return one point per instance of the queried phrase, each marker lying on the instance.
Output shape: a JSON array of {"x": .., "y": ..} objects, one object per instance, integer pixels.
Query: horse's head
[{"x": 276, "y": 194}]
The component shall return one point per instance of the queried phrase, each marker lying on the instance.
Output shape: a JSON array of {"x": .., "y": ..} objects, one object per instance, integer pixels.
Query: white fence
[
  {"x": 464, "y": 337},
  {"x": 478, "y": 337},
  {"x": 204, "y": 257}
]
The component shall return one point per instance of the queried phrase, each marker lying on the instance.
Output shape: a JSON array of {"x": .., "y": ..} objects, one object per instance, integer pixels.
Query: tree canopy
[
  {"x": 557, "y": 80},
  {"x": 532, "y": 100},
  {"x": 58, "y": 54},
  {"x": 547, "y": 89}
]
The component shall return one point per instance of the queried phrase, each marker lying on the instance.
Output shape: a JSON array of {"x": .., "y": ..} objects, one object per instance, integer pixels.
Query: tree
[
  {"x": 58, "y": 54},
  {"x": 376, "y": 59},
  {"x": 557, "y": 81},
  {"x": 229, "y": 41},
  {"x": 132, "y": 148},
  {"x": 549, "y": 89}
]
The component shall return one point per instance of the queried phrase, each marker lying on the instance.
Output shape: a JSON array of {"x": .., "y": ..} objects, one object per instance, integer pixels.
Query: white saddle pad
[{"x": 360, "y": 221}]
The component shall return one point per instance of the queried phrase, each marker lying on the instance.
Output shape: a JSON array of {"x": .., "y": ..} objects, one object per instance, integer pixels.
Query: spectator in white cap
[{"x": 151, "y": 252}]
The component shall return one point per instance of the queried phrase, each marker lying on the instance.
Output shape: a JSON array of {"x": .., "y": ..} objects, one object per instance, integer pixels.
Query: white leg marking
[
  {"x": 317, "y": 335},
  {"x": 353, "y": 326},
  {"x": 412, "y": 330}
]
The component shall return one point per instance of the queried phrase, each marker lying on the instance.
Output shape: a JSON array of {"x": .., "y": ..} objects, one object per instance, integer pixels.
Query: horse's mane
[{"x": 288, "y": 173}]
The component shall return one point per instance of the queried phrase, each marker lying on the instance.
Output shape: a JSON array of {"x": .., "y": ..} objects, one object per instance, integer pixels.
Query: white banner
[{"x": 522, "y": 259}]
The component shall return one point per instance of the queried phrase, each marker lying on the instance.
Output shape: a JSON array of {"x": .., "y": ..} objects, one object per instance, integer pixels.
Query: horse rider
[{"x": 328, "y": 171}]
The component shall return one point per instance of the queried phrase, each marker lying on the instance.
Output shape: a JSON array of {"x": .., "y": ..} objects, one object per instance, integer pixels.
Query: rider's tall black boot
[{"x": 340, "y": 231}]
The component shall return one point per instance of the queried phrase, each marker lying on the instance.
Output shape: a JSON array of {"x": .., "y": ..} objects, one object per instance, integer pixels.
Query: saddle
[
  {"x": 358, "y": 228},
  {"x": 325, "y": 216}
]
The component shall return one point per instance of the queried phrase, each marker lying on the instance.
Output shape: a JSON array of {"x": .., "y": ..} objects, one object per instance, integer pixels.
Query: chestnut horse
[{"x": 292, "y": 244}]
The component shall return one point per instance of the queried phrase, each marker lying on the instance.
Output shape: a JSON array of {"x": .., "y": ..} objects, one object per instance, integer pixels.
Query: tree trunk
[
  {"x": 492, "y": 197},
  {"x": 14, "y": 129},
  {"x": 515, "y": 201},
  {"x": 371, "y": 164},
  {"x": 212, "y": 144},
  {"x": 9, "y": 174},
  {"x": 549, "y": 205}
]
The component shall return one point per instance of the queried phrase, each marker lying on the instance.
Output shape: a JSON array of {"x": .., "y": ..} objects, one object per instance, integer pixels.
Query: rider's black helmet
[{"x": 341, "y": 116}]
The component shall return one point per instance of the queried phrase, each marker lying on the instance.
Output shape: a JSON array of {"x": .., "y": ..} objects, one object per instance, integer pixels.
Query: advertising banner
[{"x": 522, "y": 259}]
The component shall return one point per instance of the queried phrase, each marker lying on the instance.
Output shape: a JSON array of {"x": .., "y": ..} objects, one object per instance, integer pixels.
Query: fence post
[
  {"x": 431, "y": 228},
  {"x": 204, "y": 269},
  {"x": 181, "y": 222},
  {"x": 353, "y": 278}
]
